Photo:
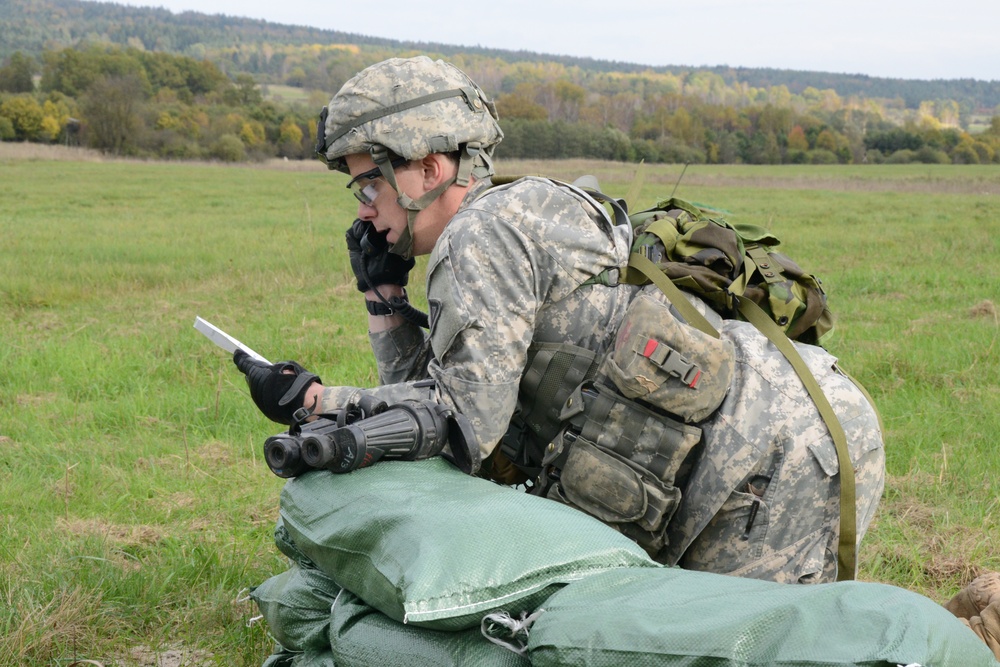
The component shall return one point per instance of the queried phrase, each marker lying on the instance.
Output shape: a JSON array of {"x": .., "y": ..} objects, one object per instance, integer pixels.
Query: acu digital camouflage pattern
[
  {"x": 762, "y": 499},
  {"x": 621, "y": 462},
  {"x": 370, "y": 108},
  {"x": 508, "y": 271},
  {"x": 662, "y": 361},
  {"x": 513, "y": 270}
]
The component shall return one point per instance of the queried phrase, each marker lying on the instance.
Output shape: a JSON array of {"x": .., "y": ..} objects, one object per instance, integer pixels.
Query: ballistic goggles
[{"x": 363, "y": 187}]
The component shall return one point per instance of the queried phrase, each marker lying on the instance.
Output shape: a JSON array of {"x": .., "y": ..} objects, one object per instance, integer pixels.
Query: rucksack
[
  {"x": 678, "y": 245},
  {"x": 702, "y": 253}
]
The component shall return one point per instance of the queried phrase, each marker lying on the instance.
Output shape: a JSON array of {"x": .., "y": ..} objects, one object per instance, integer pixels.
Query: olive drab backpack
[
  {"x": 702, "y": 253},
  {"x": 678, "y": 245}
]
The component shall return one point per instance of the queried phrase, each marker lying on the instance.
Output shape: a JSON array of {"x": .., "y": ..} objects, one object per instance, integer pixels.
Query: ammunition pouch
[
  {"x": 618, "y": 492},
  {"x": 620, "y": 462},
  {"x": 606, "y": 434}
]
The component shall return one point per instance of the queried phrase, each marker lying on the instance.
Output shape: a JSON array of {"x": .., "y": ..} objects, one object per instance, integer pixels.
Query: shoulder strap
[
  {"x": 847, "y": 547},
  {"x": 677, "y": 299}
]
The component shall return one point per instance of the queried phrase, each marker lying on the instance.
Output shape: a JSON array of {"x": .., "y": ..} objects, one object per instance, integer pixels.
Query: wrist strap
[
  {"x": 397, "y": 305},
  {"x": 378, "y": 308}
]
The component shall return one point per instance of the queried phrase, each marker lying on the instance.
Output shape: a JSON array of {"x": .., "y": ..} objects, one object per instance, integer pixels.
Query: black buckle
[{"x": 321, "y": 135}]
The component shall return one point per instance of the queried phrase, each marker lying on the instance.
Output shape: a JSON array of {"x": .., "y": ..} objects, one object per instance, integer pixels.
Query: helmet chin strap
[
  {"x": 404, "y": 244},
  {"x": 470, "y": 163}
]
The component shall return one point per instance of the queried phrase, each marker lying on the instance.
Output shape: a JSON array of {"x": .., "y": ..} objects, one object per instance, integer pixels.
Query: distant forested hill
[
  {"x": 32, "y": 26},
  {"x": 971, "y": 92}
]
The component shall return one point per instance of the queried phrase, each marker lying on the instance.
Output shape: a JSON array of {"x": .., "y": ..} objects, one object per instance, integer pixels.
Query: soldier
[{"x": 724, "y": 464}]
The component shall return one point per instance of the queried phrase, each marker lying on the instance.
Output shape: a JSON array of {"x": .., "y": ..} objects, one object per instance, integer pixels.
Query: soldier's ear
[{"x": 436, "y": 169}]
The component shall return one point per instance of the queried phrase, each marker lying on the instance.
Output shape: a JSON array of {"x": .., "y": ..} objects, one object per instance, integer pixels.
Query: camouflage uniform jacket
[
  {"x": 508, "y": 271},
  {"x": 766, "y": 445}
]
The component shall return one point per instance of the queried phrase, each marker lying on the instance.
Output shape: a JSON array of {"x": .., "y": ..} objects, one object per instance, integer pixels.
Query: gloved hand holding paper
[{"x": 224, "y": 340}]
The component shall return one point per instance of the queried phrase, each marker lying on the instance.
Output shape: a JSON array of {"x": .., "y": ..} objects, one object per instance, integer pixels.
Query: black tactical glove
[
  {"x": 371, "y": 261},
  {"x": 277, "y": 394}
]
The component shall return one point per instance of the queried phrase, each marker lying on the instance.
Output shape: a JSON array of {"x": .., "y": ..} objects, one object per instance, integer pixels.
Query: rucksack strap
[
  {"x": 847, "y": 556},
  {"x": 674, "y": 294}
]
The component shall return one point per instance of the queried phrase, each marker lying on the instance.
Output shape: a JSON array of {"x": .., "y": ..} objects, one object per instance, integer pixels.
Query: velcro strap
[
  {"x": 302, "y": 380},
  {"x": 671, "y": 361}
]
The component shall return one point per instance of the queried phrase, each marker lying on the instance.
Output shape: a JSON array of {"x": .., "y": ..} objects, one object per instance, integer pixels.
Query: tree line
[
  {"x": 133, "y": 101},
  {"x": 30, "y": 26},
  {"x": 141, "y": 103}
]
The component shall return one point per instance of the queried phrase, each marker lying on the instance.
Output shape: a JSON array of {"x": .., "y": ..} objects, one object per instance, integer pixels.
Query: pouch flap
[{"x": 602, "y": 485}]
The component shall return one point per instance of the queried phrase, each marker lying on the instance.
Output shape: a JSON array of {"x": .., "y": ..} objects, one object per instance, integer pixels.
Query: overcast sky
[{"x": 914, "y": 39}]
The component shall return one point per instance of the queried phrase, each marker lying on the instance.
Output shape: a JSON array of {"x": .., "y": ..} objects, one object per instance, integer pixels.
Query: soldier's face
[{"x": 385, "y": 214}]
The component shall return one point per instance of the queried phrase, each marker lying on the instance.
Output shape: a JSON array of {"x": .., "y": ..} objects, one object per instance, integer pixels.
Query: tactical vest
[{"x": 614, "y": 435}]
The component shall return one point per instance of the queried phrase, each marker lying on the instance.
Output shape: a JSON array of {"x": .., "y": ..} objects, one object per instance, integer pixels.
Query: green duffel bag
[
  {"x": 652, "y": 618},
  {"x": 428, "y": 545},
  {"x": 362, "y": 636}
]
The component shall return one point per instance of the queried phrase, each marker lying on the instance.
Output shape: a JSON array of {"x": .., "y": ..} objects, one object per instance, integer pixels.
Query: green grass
[
  {"x": 134, "y": 504},
  {"x": 294, "y": 95}
]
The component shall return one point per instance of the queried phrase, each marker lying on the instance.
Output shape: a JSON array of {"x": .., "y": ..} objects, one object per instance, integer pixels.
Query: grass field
[
  {"x": 134, "y": 504},
  {"x": 295, "y": 95}
]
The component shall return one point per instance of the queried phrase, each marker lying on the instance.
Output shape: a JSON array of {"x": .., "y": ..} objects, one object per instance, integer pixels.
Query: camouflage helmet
[{"x": 411, "y": 106}]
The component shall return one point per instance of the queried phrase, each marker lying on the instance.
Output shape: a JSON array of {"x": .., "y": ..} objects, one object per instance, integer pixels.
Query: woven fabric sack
[
  {"x": 647, "y": 618},
  {"x": 426, "y": 544}
]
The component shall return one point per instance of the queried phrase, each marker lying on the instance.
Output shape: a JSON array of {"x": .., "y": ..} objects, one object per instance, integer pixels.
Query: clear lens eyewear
[{"x": 363, "y": 187}]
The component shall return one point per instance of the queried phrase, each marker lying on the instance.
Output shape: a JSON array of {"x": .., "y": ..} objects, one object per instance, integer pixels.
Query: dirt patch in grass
[
  {"x": 143, "y": 656},
  {"x": 171, "y": 656},
  {"x": 214, "y": 454},
  {"x": 34, "y": 400},
  {"x": 833, "y": 184},
  {"x": 920, "y": 544},
  {"x": 23, "y": 150},
  {"x": 29, "y": 151},
  {"x": 802, "y": 178},
  {"x": 984, "y": 309},
  {"x": 660, "y": 174},
  {"x": 118, "y": 535}
]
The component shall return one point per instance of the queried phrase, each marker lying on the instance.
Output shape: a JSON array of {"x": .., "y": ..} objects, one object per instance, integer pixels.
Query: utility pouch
[
  {"x": 622, "y": 463},
  {"x": 668, "y": 364},
  {"x": 615, "y": 490}
]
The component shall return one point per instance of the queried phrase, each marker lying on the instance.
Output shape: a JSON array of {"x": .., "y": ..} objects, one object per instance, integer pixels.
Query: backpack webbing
[{"x": 847, "y": 547}]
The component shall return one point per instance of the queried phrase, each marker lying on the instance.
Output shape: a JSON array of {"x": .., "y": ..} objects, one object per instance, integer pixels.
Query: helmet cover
[{"x": 411, "y": 106}]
